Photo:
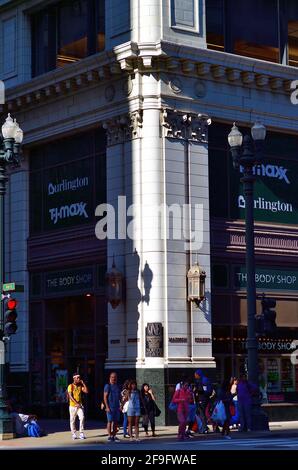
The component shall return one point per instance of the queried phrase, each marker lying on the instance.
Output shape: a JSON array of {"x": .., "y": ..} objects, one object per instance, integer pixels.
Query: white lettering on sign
[
  {"x": 271, "y": 171},
  {"x": 283, "y": 346},
  {"x": 67, "y": 185},
  {"x": 71, "y": 280},
  {"x": 64, "y": 212},
  {"x": 269, "y": 278},
  {"x": 262, "y": 204}
]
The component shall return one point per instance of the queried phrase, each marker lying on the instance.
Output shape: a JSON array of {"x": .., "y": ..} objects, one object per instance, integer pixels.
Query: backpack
[{"x": 33, "y": 429}]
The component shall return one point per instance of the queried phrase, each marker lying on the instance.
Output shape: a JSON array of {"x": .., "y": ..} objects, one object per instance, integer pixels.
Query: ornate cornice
[
  {"x": 123, "y": 128},
  {"x": 129, "y": 58},
  {"x": 186, "y": 126}
]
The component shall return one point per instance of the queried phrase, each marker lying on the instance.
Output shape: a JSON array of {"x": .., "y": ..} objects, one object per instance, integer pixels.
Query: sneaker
[
  {"x": 82, "y": 435},
  {"x": 227, "y": 437},
  {"x": 127, "y": 436},
  {"x": 110, "y": 439},
  {"x": 74, "y": 436},
  {"x": 116, "y": 439}
]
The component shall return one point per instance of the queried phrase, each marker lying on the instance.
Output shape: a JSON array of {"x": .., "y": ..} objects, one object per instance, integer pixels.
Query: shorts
[
  {"x": 133, "y": 412},
  {"x": 113, "y": 415}
]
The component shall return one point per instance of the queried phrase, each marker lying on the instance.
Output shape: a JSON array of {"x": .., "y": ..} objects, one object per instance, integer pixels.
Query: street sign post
[{"x": 12, "y": 287}]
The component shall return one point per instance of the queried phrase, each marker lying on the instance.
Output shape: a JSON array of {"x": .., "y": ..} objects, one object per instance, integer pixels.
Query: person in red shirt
[{"x": 183, "y": 397}]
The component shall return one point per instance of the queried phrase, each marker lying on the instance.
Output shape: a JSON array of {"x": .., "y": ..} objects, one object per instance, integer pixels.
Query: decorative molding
[
  {"x": 130, "y": 58},
  {"x": 123, "y": 128},
  {"x": 187, "y": 126},
  {"x": 228, "y": 237}
]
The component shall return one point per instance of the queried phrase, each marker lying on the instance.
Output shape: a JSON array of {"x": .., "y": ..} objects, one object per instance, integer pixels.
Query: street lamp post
[
  {"x": 10, "y": 143},
  {"x": 247, "y": 156}
]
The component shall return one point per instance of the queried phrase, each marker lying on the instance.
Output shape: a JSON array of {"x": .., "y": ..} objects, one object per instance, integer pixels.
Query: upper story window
[
  {"x": 262, "y": 29},
  {"x": 66, "y": 32}
]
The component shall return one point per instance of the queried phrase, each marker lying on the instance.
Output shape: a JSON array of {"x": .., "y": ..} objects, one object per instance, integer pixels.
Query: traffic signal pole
[{"x": 6, "y": 425}]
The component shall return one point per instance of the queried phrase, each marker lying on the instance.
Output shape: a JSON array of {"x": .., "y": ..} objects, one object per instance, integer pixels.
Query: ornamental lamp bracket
[
  {"x": 114, "y": 286},
  {"x": 196, "y": 278}
]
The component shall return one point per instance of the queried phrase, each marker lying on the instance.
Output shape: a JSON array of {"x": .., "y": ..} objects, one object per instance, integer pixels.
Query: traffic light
[
  {"x": 269, "y": 315},
  {"x": 265, "y": 322},
  {"x": 10, "y": 316}
]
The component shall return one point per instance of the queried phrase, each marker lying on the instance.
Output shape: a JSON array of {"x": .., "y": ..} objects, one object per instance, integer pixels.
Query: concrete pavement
[{"x": 59, "y": 437}]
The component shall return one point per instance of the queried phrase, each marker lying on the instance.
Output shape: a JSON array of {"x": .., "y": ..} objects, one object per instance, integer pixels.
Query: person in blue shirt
[{"x": 112, "y": 398}]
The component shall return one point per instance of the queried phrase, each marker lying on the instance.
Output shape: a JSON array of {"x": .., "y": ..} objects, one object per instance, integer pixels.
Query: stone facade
[{"x": 154, "y": 90}]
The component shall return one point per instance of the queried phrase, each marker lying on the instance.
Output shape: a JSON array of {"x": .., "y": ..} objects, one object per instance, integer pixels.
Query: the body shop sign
[
  {"x": 68, "y": 194},
  {"x": 79, "y": 280},
  {"x": 275, "y": 192},
  {"x": 270, "y": 279}
]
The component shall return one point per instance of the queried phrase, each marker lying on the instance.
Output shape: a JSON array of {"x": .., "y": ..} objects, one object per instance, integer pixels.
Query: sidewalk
[{"x": 59, "y": 435}]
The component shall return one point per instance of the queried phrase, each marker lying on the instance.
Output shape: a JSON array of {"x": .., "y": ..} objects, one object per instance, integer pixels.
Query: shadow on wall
[{"x": 147, "y": 276}]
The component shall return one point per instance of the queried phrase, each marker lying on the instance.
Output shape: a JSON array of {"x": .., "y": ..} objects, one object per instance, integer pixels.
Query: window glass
[
  {"x": 254, "y": 29},
  {"x": 69, "y": 183},
  {"x": 72, "y": 32},
  {"x": 66, "y": 32},
  {"x": 215, "y": 24},
  {"x": 292, "y": 13}
]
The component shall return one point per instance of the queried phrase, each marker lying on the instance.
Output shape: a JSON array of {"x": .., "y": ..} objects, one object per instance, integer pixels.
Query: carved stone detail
[
  {"x": 187, "y": 126},
  {"x": 122, "y": 128}
]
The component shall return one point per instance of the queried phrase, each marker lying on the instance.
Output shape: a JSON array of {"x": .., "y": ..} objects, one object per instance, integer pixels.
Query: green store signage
[
  {"x": 275, "y": 192},
  {"x": 270, "y": 279}
]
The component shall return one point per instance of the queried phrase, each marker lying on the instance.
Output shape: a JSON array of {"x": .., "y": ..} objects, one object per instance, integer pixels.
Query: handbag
[
  {"x": 157, "y": 411},
  {"x": 125, "y": 407},
  {"x": 219, "y": 413},
  {"x": 173, "y": 406}
]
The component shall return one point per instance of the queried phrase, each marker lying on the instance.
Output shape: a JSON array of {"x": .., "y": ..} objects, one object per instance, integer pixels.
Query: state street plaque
[{"x": 154, "y": 340}]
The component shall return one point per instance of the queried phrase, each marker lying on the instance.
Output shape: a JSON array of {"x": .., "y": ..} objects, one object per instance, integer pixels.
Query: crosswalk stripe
[{"x": 245, "y": 442}]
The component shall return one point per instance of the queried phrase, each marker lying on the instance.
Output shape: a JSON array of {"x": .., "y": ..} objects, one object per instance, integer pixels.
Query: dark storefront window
[
  {"x": 66, "y": 32},
  {"x": 67, "y": 182},
  {"x": 261, "y": 29}
]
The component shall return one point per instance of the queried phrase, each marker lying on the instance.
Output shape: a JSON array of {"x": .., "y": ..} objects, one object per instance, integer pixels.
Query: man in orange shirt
[{"x": 75, "y": 404}]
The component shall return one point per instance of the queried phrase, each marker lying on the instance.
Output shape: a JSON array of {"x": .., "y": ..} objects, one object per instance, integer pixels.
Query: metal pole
[
  {"x": 248, "y": 160},
  {"x": 252, "y": 346},
  {"x": 6, "y": 425}
]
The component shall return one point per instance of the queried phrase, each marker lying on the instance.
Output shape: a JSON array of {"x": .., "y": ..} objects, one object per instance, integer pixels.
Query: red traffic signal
[
  {"x": 10, "y": 316},
  {"x": 11, "y": 304}
]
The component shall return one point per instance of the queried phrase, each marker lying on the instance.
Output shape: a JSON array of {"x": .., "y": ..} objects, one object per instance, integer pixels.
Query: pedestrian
[
  {"x": 203, "y": 393},
  {"x": 183, "y": 397},
  {"x": 134, "y": 409},
  {"x": 235, "y": 418},
  {"x": 124, "y": 407},
  {"x": 224, "y": 395},
  {"x": 148, "y": 408},
  {"x": 25, "y": 424},
  {"x": 245, "y": 391},
  {"x": 112, "y": 398},
  {"x": 76, "y": 408}
]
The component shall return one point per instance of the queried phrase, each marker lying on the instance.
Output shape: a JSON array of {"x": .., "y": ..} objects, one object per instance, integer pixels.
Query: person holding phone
[{"x": 76, "y": 408}]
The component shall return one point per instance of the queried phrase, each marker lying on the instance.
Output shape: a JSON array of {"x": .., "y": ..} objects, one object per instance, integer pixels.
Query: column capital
[
  {"x": 124, "y": 127},
  {"x": 186, "y": 126}
]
